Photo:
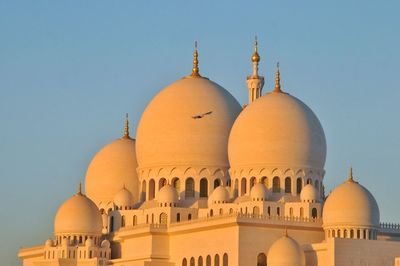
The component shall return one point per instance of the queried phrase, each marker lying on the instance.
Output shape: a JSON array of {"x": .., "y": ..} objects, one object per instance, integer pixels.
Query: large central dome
[{"x": 187, "y": 123}]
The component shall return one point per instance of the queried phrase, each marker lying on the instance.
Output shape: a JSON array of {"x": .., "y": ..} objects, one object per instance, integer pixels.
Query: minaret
[{"x": 255, "y": 82}]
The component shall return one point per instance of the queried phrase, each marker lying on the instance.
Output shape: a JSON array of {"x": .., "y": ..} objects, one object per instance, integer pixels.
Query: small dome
[
  {"x": 49, "y": 243},
  {"x": 123, "y": 199},
  {"x": 351, "y": 204},
  {"x": 168, "y": 194},
  {"x": 78, "y": 215},
  {"x": 65, "y": 242},
  {"x": 309, "y": 194},
  {"x": 113, "y": 167},
  {"x": 89, "y": 242},
  {"x": 105, "y": 243},
  {"x": 187, "y": 123},
  {"x": 285, "y": 252},
  {"x": 277, "y": 130},
  {"x": 219, "y": 195},
  {"x": 259, "y": 192}
]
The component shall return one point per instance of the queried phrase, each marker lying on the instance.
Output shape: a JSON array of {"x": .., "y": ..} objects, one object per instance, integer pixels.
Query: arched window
[
  {"x": 345, "y": 233},
  {"x": 288, "y": 185},
  {"x": 211, "y": 213},
  {"x": 301, "y": 212},
  {"x": 152, "y": 218},
  {"x": 216, "y": 260},
  {"x": 252, "y": 181},
  {"x": 309, "y": 181},
  {"x": 276, "y": 185},
  {"x": 278, "y": 211},
  {"x": 217, "y": 183},
  {"x": 264, "y": 180},
  {"x": 221, "y": 211},
  {"x": 123, "y": 221},
  {"x": 162, "y": 182},
  {"x": 203, "y": 187},
  {"x": 143, "y": 193},
  {"x": 243, "y": 189},
  {"x": 225, "y": 260},
  {"x": 351, "y": 233},
  {"x": 261, "y": 260},
  {"x": 184, "y": 262},
  {"x": 176, "y": 184},
  {"x": 269, "y": 211},
  {"x": 230, "y": 211},
  {"x": 178, "y": 217},
  {"x": 358, "y": 234},
  {"x": 191, "y": 261},
  {"x": 291, "y": 212},
  {"x": 200, "y": 261},
  {"x": 314, "y": 213},
  {"x": 256, "y": 210},
  {"x": 189, "y": 188},
  {"x": 152, "y": 188},
  {"x": 189, "y": 216},
  {"x": 317, "y": 185},
  {"x": 333, "y": 233},
  {"x": 163, "y": 218},
  {"x": 208, "y": 260},
  {"x": 236, "y": 188},
  {"x": 134, "y": 220},
  {"x": 299, "y": 185},
  {"x": 111, "y": 226}
]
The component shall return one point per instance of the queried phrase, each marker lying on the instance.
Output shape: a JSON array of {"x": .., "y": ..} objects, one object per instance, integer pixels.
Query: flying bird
[{"x": 201, "y": 115}]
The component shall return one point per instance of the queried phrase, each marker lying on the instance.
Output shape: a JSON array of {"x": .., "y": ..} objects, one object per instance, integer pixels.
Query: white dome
[
  {"x": 187, "y": 123},
  {"x": 259, "y": 192},
  {"x": 49, "y": 243},
  {"x": 350, "y": 204},
  {"x": 309, "y": 194},
  {"x": 285, "y": 252},
  {"x": 105, "y": 243},
  {"x": 78, "y": 215},
  {"x": 277, "y": 130},
  {"x": 123, "y": 199},
  {"x": 167, "y": 194},
  {"x": 219, "y": 195},
  {"x": 113, "y": 167}
]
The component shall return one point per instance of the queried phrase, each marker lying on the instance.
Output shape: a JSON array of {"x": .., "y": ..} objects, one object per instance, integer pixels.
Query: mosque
[{"x": 208, "y": 182}]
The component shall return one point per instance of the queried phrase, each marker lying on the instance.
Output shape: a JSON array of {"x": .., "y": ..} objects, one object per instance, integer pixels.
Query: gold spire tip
[
  {"x": 277, "y": 79},
  {"x": 126, "y": 129},
  {"x": 350, "y": 179},
  {"x": 79, "y": 192},
  {"x": 195, "y": 69},
  {"x": 256, "y": 57}
]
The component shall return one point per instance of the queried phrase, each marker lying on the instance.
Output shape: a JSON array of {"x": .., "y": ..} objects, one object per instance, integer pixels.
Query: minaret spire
[
  {"x": 255, "y": 82},
  {"x": 277, "y": 79},
  {"x": 126, "y": 129},
  {"x": 350, "y": 178},
  {"x": 195, "y": 69},
  {"x": 79, "y": 192}
]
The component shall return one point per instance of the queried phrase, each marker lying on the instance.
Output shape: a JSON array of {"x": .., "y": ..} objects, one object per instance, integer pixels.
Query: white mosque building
[{"x": 208, "y": 182}]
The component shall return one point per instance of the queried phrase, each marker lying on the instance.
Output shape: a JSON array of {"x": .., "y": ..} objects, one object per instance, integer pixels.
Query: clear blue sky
[{"x": 70, "y": 70}]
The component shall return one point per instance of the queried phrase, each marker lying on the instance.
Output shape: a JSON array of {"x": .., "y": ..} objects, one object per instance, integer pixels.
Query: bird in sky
[{"x": 201, "y": 115}]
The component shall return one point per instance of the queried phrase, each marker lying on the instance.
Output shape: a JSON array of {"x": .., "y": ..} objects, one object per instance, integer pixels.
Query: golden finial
[
  {"x": 195, "y": 70},
  {"x": 350, "y": 178},
  {"x": 126, "y": 130},
  {"x": 79, "y": 192},
  {"x": 277, "y": 79},
  {"x": 256, "y": 57}
]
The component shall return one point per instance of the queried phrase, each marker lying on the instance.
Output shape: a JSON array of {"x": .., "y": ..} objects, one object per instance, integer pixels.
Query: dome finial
[
  {"x": 126, "y": 130},
  {"x": 195, "y": 70},
  {"x": 256, "y": 57},
  {"x": 79, "y": 192},
  {"x": 277, "y": 79},
  {"x": 350, "y": 178}
]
